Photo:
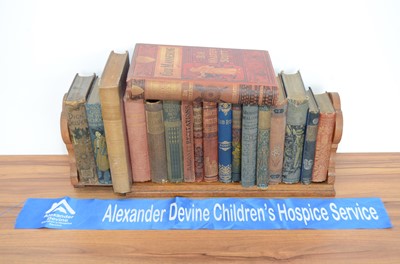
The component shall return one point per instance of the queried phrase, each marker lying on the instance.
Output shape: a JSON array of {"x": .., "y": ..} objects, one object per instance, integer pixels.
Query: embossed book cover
[{"x": 185, "y": 73}]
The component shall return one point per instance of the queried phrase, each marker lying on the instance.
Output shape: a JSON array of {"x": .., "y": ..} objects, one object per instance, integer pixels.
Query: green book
[
  {"x": 173, "y": 139},
  {"x": 249, "y": 145},
  {"x": 264, "y": 129}
]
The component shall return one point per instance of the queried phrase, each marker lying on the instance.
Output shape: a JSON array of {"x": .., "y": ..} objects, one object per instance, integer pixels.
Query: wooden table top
[{"x": 357, "y": 175}]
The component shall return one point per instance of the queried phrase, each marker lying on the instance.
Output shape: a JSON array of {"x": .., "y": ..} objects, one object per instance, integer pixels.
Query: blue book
[
  {"x": 225, "y": 142},
  {"x": 263, "y": 139},
  {"x": 96, "y": 130},
  {"x": 249, "y": 145}
]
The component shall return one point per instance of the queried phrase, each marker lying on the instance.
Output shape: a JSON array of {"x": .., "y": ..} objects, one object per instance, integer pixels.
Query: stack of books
[{"x": 195, "y": 114}]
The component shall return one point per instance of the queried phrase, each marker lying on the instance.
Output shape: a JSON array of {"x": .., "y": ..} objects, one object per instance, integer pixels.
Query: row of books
[{"x": 191, "y": 114}]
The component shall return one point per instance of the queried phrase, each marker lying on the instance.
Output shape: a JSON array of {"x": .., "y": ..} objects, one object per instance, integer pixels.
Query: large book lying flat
[{"x": 184, "y": 73}]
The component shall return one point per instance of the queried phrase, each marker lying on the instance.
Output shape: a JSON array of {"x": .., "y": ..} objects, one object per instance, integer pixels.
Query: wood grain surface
[{"x": 357, "y": 175}]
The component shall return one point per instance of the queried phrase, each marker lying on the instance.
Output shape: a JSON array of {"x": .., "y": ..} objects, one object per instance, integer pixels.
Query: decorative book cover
[
  {"x": 277, "y": 137},
  {"x": 187, "y": 73},
  {"x": 97, "y": 135},
  {"x": 264, "y": 129},
  {"x": 295, "y": 126},
  {"x": 324, "y": 139},
  {"x": 173, "y": 139},
  {"x": 187, "y": 141},
  {"x": 225, "y": 142},
  {"x": 137, "y": 137},
  {"x": 112, "y": 89},
  {"x": 79, "y": 128},
  {"x": 210, "y": 141},
  {"x": 236, "y": 141},
  {"x": 198, "y": 140},
  {"x": 156, "y": 141},
  {"x": 249, "y": 144},
  {"x": 310, "y": 138}
]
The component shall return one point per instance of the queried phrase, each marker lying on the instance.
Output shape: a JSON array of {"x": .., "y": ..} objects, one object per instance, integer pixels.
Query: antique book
[
  {"x": 295, "y": 126},
  {"x": 156, "y": 141},
  {"x": 65, "y": 135},
  {"x": 225, "y": 142},
  {"x": 75, "y": 105},
  {"x": 112, "y": 89},
  {"x": 249, "y": 144},
  {"x": 173, "y": 139},
  {"x": 97, "y": 135},
  {"x": 323, "y": 143},
  {"x": 187, "y": 73},
  {"x": 198, "y": 140},
  {"x": 264, "y": 130},
  {"x": 187, "y": 141},
  {"x": 210, "y": 141},
  {"x": 236, "y": 141},
  {"x": 310, "y": 138},
  {"x": 137, "y": 136},
  {"x": 277, "y": 136}
]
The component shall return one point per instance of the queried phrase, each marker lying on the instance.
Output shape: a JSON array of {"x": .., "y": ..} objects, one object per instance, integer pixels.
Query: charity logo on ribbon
[{"x": 211, "y": 213}]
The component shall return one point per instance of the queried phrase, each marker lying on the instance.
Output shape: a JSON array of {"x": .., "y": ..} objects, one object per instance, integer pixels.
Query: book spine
[
  {"x": 81, "y": 141},
  {"x": 264, "y": 129},
  {"x": 294, "y": 140},
  {"x": 173, "y": 139},
  {"x": 277, "y": 143},
  {"x": 210, "y": 141},
  {"x": 309, "y": 147},
  {"x": 198, "y": 140},
  {"x": 249, "y": 145},
  {"x": 323, "y": 147},
  {"x": 137, "y": 137},
  {"x": 96, "y": 130},
  {"x": 236, "y": 141},
  {"x": 187, "y": 141},
  {"x": 225, "y": 142},
  {"x": 156, "y": 141}
]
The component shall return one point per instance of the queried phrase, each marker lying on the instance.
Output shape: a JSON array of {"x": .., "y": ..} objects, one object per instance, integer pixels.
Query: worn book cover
[
  {"x": 263, "y": 138},
  {"x": 186, "y": 73},
  {"x": 173, "y": 139},
  {"x": 210, "y": 141},
  {"x": 225, "y": 142},
  {"x": 156, "y": 141},
  {"x": 75, "y": 104},
  {"x": 249, "y": 144},
  {"x": 277, "y": 137},
  {"x": 97, "y": 135},
  {"x": 198, "y": 140},
  {"x": 187, "y": 141},
  {"x": 310, "y": 138},
  {"x": 236, "y": 141},
  {"x": 324, "y": 139},
  {"x": 295, "y": 126},
  {"x": 112, "y": 89}
]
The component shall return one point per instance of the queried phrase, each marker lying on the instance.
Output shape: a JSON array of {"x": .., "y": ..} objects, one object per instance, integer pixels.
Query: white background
[{"x": 350, "y": 47}]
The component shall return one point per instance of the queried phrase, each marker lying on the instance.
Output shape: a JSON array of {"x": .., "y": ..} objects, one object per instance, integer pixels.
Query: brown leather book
[
  {"x": 198, "y": 141},
  {"x": 323, "y": 145},
  {"x": 187, "y": 141},
  {"x": 210, "y": 141},
  {"x": 183, "y": 73},
  {"x": 137, "y": 137},
  {"x": 112, "y": 89},
  {"x": 156, "y": 141}
]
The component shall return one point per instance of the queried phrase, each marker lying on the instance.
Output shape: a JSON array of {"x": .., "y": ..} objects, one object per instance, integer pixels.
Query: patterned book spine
[
  {"x": 96, "y": 129},
  {"x": 310, "y": 140},
  {"x": 210, "y": 141},
  {"x": 277, "y": 143},
  {"x": 236, "y": 141},
  {"x": 137, "y": 136},
  {"x": 225, "y": 142},
  {"x": 173, "y": 139},
  {"x": 323, "y": 146},
  {"x": 187, "y": 141},
  {"x": 156, "y": 141},
  {"x": 264, "y": 129},
  {"x": 249, "y": 144},
  {"x": 198, "y": 140},
  {"x": 294, "y": 141}
]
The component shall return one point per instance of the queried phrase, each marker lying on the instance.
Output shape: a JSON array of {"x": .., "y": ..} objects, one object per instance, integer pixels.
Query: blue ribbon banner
[{"x": 215, "y": 213}]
